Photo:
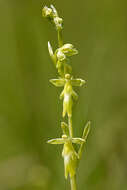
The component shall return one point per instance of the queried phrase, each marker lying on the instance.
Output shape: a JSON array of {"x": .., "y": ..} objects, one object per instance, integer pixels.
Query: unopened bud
[
  {"x": 47, "y": 12},
  {"x": 58, "y": 22},
  {"x": 55, "y": 14}
]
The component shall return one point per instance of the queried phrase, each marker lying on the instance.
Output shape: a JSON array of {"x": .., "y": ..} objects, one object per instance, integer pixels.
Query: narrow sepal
[
  {"x": 56, "y": 141},
  {"x": 58, "y": 82},
  {"x": 77, "y": 82},
  {"x": 78, "y": 140}
]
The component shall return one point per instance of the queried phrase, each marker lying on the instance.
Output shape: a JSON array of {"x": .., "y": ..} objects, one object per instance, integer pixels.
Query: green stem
[
  {"x": 60, "y": 38},
  {"x": 70, "y": 126},
  {"x": 73, "y": 183}
]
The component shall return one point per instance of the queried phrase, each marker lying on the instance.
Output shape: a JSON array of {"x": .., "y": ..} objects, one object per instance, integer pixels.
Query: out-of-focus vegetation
[{"x": 29, "y": 105}]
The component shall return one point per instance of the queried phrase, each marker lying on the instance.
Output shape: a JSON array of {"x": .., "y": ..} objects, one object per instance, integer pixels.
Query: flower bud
[
  {"x": 55, "y": 14},
  {"x": 58, "y": 22},
  {"x": 47, "y": 12}
]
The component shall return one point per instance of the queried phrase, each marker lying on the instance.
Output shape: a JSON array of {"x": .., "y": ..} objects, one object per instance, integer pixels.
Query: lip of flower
[
  {"x": 67, "y": 158},
  {"x": 66, "y": 98}
]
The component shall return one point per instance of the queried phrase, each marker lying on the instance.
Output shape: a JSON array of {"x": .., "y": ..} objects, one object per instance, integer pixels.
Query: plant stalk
[
  {"x": 70, "y": 126},
  {"x": 60, "y": 58},
  {"x": 73, "y": 183},
  {"x": 60, "y": 38}
]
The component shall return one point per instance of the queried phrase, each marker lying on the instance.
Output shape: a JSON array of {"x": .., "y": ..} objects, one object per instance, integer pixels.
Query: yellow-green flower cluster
[
  {"x": 60, "y": 58},
  {"x": 52, "y": 15}
]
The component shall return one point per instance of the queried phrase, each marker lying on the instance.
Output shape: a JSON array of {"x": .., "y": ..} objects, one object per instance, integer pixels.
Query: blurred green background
[{"x": 30, "y": 109}]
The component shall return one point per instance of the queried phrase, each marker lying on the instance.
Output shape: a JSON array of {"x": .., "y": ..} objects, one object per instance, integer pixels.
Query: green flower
[
  {"x": 71, "y": 157},
  {"x": 69, "y": 154},
  {"x": 68, "y": 94},
  {"x": 58, "y": 23},
  {"x": 67, "y": 50}
]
